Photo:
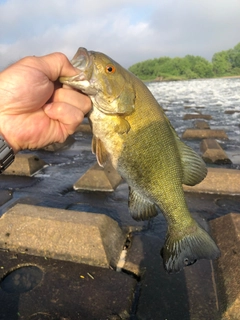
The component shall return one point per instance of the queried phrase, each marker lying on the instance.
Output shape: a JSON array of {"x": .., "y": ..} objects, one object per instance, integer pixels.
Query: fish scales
[{"x": 131, "y": 129}]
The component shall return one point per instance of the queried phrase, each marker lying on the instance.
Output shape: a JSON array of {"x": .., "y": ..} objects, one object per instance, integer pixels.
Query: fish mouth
[
  {"x": 83, "y": 81},
  {"x": 81, "y": 59}
]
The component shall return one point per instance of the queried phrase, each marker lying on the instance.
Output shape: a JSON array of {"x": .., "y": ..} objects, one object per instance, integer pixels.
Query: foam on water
[{"x": 212, "y": 97}]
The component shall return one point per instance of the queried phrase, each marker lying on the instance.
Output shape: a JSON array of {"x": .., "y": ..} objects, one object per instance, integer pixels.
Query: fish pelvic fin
[
  {"x": 194, "y": 244},
  {"x": 98, "y": 148},
  {"x": 139, "y": 207},
  {"x": 194, "y": 168}
]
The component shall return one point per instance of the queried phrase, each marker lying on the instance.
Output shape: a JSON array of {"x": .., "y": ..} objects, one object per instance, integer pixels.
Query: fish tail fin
[{"x": 186, "y": 247}]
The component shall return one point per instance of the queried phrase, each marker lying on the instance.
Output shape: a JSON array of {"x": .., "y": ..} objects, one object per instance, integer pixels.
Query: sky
[{"x": 129, "y": 31}]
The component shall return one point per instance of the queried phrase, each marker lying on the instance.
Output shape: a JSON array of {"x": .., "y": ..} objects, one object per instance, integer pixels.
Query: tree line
[{"x": 224, "y": 63}]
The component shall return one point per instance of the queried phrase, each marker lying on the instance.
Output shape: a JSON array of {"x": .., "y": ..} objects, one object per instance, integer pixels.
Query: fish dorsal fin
[
  {"x": 194, "y": 168},
  {"x": 139, "y": 207},
  {"x": 98, "y": 148}
]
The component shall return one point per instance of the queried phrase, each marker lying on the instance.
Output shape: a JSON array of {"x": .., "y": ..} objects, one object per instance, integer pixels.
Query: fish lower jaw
[
  {"x": 84, "y": 84},
  {"x": 86, "y": 87}
]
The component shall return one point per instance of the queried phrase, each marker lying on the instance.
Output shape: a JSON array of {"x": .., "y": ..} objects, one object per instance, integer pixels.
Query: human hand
[{"x": 35, "y": 110}]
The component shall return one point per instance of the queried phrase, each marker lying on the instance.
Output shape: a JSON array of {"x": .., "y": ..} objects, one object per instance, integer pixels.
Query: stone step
[
  {"x": 212, "y": 152},
  {"x": 218, "y": 181},
  {"x": 231, "y": 111},
  {"x": 25, "y": 165},
  {"x": 82, "y": 237},
  {"x": 197, "y": 116},
  {"x": 99, "y": 179},
  {"x": 5, "y": 196},
  {"x": 226, "y": 232},
  {"x": 201, "y": 124},
  {"x": 191, "y": 134}
]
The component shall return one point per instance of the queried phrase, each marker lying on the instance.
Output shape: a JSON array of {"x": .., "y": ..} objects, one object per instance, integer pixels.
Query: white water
[{"x": 212, "y": 97}]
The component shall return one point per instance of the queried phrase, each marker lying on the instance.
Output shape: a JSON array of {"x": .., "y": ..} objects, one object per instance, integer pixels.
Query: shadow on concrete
[
  {"x": 162, "y": 296},
  {"x": 187, "y": 295},
  {"x": 67, "y": 291}
]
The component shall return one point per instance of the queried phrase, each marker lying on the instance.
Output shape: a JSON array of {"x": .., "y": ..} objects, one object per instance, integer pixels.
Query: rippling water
[{"x": 212, "y": 97}]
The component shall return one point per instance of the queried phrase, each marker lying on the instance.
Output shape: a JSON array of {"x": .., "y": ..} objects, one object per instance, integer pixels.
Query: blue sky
[{"x": 127, "y": 30}]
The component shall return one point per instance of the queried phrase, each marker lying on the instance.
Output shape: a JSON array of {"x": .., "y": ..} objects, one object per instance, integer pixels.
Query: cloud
[
  {"x": 202, "y": 27},
  {"x": 127, "y": 30}
]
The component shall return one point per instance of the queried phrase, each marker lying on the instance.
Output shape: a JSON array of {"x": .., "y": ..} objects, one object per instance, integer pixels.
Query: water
[
  {"x": 212, "y": 97},
  {"x": 22, "y": 279}
]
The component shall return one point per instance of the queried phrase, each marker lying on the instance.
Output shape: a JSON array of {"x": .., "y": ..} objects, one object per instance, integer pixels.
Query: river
[{"x": 212, "y": 97}]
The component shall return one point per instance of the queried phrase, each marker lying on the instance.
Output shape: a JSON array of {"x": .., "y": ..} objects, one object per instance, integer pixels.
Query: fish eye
[{"x": 110, "y": 68}]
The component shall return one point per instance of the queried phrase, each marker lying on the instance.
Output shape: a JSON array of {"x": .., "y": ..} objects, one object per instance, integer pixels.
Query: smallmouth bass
[{"x": 131, "y": 129}]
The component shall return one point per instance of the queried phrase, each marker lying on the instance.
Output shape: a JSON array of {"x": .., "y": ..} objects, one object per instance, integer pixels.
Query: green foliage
[
  {"x": 234, "y": 56},
  {"x": 221, "y": 64},
  {"x": 189, "y": 67}
]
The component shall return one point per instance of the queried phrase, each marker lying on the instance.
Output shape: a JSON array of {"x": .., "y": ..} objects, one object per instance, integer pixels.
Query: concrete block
[
  {"x": 99, "y": 179},
  {"x": 212, "y": 152},
  {"x": 58, "y": 146},
  {"x": 94, "y": 239},
  {"x": 5, "y": 196},
  {"x": 201, "y": 124},
  {"x": 47, "y": 289},
  {"x": 204, "y": 134},
  {"x": 197, "y": 116},
  {"x": 25, "y": 165},
  {"x": 231, "y": 111},
  {"x": 218, "y": 181},
  {"x": 200, "y": 107},
  {"x": 226, "y": 231}
]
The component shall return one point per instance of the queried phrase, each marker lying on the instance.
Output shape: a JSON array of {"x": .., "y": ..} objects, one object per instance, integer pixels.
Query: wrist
[
  {"x": 5, "y": 133},
  {"x": 6, "y": 155}
]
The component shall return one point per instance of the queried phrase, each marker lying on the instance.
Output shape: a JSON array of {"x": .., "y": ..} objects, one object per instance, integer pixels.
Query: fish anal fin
[
  {"x": 99, "y": 149},
  {"x": 139, "y": 207},
  {"x": 185, "y": 248},
  {"x": 194, "y": 168}
]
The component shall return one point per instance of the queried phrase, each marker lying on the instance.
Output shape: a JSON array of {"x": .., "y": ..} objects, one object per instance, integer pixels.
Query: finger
[
  {"x": 66, "y": 114},
  {"x": 74, "y": 98},
  {"x": 54, "y": 65}
]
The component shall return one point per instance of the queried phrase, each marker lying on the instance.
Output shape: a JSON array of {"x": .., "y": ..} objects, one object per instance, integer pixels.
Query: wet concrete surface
[
  {"x": 57, "y": 289},
  {"x": 148, "y": 294}
]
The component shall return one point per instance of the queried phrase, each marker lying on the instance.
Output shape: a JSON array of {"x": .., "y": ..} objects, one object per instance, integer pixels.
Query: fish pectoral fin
[
  {"x": 194, "y": 168},
  {"x": 184, "y": 248},
  {"x": 140, "y": 208},
  {"x": 99, "y": 149},
  {"x": 120, "y": 124}
]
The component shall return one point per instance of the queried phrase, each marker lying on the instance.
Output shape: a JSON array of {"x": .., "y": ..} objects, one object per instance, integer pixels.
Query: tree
[
  {"x": 202, "y": 68},
  {"x": 221, "y": 64},
  {"x": 190, "y": 67},
  {"x": 234, "y": 56}
]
